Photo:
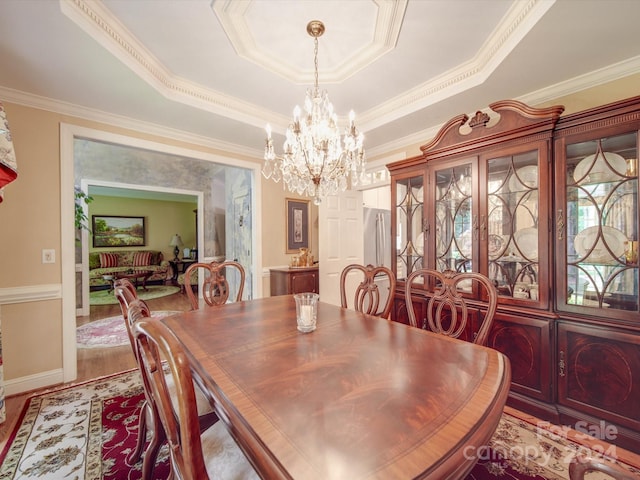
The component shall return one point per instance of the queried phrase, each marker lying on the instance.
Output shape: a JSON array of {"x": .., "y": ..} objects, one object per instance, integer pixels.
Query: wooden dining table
[{"x": 358, "y": 398}]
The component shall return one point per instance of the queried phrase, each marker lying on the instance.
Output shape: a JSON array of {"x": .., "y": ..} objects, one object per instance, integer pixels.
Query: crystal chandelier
[{"x": 316, "y": 161}]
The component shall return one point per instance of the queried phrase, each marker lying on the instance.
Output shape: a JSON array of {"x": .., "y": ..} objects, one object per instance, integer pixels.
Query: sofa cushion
[
  {"x": 141, "y": 259},
  {"x": 108, "y": 260},
  {"x": 125, "y": 261}
]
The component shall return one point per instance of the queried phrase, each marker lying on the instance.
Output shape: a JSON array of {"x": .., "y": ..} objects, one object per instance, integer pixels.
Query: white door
[{"x": 340, "y": 234}]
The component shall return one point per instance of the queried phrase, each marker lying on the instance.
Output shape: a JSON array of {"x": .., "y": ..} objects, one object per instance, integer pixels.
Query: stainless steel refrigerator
[
  {"x": 377, "y": 244},
  {"x": 377, "y": 237}
]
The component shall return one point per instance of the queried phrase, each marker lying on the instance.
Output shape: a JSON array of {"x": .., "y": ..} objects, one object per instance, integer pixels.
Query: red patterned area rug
[
  {"x": 80, "y": 432},
  {"x": 86, "y": 431}
]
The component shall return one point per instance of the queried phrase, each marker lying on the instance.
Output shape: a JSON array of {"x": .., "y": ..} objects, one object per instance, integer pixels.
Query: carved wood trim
[
  {"x": 516, "y": 120},
  {"x": 607, "y": 122}
]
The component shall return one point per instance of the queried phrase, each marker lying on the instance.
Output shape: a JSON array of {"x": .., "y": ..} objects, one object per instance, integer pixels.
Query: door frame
[{"x": 68, "y": 134}]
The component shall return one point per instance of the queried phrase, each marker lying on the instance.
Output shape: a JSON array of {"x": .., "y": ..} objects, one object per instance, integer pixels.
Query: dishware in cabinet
[
  {"x": 453, "y": 221},
  {"x": 485, "y": 186},
  {"x": 597, "y": 222},
  {"x": 514, "y": 227}
]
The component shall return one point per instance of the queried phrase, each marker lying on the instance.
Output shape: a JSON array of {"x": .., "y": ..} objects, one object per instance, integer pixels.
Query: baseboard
[{"x": 33, "y": 382}]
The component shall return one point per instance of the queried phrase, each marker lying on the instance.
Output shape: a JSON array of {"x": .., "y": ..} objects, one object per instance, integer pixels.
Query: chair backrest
[
  {"x": 583, "y": 464},
  {"x": 179, "y": 415},
  {"x": 216, "y": 288},
  {"x": 125, "y": 293},
  {"x": 367, "y": 295},
  {"x": 448, "y": 310},
  {"x": 126, "y": 283}
]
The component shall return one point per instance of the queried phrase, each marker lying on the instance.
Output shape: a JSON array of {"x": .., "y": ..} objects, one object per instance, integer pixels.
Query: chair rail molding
[{"x": 30, "y": 293}]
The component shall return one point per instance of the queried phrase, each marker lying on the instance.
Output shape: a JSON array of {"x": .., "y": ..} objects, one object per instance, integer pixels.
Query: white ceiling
[{"x": 218, "y": 72}]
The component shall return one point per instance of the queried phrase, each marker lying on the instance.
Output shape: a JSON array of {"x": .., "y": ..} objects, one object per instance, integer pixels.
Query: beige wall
[
  {"x": 163, "y": 220},
  {"x": 30, "y": 220},
  {"x": 274, "y": 227}
]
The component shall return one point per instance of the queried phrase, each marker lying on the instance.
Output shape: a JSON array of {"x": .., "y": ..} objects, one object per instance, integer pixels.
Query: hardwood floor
[{"x": 95, "y": 362}]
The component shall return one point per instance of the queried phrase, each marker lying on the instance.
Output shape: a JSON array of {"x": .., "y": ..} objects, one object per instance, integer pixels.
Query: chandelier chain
[{"x": 315, "y": 64}]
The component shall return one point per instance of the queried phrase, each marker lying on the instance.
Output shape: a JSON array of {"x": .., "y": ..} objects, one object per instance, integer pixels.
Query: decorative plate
[
  {"x": 614, "y": 239},
  {"x": 525, "y": 178},
  {"x": 588, "y": 171},
  {"x": 527, "y": 241}
]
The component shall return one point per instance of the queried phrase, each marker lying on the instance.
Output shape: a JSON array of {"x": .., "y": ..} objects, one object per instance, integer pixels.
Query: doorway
[
  {"x": 152, "y": 165},
  {"x": 122, "y": 198}
]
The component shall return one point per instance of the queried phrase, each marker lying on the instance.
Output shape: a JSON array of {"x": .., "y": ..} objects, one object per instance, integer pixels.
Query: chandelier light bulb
[{"x": 316, "y": 160}]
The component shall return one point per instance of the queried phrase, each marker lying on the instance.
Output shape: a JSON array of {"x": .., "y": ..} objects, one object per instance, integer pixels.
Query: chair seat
[
  {"x": 223, "y": 457},
  {"x": 203, "y": 405}
]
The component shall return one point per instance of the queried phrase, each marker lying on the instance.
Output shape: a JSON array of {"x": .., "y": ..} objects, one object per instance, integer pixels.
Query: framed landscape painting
[
  {"x": 117, "y": 231},
  {"x": 297, "y": 224}
]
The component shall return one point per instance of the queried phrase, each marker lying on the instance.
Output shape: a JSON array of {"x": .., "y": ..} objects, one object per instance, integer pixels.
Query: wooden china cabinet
[
  {"x": 526, "y": 198},
  {"x": 596, "y": 243}
]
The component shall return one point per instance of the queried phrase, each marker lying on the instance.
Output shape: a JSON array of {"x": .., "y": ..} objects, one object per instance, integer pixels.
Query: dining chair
[
  {"x": 367, "y": 296},
  {"x": 216, "y": 288},
  {"x": 447, "y": 309},
  {"x": 582, "y": 465},
  {"x": 148, "y": 421},
  {"x": 211, "y": 453}
]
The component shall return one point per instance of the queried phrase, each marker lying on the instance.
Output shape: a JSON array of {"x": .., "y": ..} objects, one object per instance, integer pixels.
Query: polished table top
[{"x": 358, "y": 398}]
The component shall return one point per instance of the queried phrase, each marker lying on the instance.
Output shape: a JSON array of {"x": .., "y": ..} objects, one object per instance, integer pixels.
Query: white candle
[{"x": 306, "y": 315}]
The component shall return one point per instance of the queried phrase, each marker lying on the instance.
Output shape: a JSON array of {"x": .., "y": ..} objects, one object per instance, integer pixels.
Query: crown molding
[
  {"x": 94, "y": 18},
  {"x": 99, "y": 23},
  {"x": 519, "y": 20},
  {"x": 596, "y": 78},
  {"x": 94, "y": 115}
]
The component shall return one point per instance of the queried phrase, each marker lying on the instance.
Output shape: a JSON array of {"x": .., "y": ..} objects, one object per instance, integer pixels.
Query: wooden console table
[{"x": 286, "y": 281}]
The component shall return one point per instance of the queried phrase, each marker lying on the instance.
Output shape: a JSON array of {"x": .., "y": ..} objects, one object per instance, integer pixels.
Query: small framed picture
[{"x": 297, "y": 212}]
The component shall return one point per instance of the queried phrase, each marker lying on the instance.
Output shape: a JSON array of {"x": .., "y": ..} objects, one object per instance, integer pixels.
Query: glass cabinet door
[
  {"x": 601, "y": 224},
  {"x": 455, "y": 223},
  {"x": 409, "y": 230},
  {"x": 511, "y": 231}
]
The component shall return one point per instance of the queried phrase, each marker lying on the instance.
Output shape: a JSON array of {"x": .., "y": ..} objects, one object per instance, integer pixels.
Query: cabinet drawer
[{"x": 287, "y": 281}]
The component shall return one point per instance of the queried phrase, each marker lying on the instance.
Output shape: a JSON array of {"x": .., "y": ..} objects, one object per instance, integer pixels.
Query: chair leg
[
  {"x": 151, "y": 454},
  {"x": 135, "y": 455}
]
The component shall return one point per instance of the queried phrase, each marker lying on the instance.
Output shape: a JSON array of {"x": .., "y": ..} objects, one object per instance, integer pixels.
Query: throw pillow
[
  {"x": 108, "y": 260},
  {"x": 141, "y": 259}
]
